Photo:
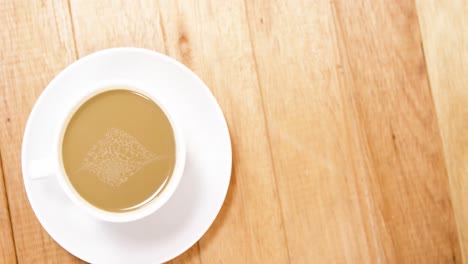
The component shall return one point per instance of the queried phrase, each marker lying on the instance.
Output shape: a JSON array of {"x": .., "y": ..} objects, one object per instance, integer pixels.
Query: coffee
[{"x": 118, "y": 150}]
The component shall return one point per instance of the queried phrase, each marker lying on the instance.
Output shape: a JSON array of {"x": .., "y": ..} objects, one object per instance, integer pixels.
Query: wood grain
[
  {"x": 338, "y": 150},
  {"x": 118, "y": 23},
  {"x": 212, "y": 38},
  {"x": 444, "y": 30},
  {"x": 34, "y": 48},
  {"x": 395, "y": 113},
  {"x": 353, "y": 133},
  {"x": 7, "y": 243},
  {"x": 309, "y": 132}
]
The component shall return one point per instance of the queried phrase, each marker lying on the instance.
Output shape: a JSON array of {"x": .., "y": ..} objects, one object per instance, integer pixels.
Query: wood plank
[
  {"x": 7, "y": 243},
  {"x": 311, "y": 132},
  {"x": 396, "y": 115},
  {"x": 353, "y": 132},
  {"x": 36, "y": 43},
  {"x": 212, "y": 38},
  {"x": 119, "y": 23},
  {"x": 445, "y": 39}
]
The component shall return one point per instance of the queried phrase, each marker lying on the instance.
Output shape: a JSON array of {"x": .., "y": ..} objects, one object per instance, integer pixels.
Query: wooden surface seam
[
  {"x": 443, "y": 27},
  {"x": 7, "y": 239},
  {"x": 268, "y": 134}
]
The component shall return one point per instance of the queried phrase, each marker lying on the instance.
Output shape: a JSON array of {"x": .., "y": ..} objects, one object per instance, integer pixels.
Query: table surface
[{"x": 348, "y": 119}]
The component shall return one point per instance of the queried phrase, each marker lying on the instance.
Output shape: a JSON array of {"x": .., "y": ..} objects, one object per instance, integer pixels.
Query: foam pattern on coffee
[{"x": 116, "y": 157}]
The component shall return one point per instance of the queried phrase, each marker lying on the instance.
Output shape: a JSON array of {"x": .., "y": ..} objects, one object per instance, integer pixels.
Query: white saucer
[{"x": 188, "y": 214}]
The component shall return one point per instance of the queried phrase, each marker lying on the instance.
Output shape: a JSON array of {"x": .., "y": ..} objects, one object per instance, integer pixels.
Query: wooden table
[{"x": 348, "y": 119}]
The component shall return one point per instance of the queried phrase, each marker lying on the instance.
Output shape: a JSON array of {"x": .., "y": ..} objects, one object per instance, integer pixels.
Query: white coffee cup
[{"x": 52, "y": 166}]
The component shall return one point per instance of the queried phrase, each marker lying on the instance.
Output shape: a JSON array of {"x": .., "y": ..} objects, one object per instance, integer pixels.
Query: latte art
[{"x": 116, "y": 157}]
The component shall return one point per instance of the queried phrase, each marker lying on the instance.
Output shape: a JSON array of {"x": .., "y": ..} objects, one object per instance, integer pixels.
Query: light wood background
[{"x": 348, "y": 119}]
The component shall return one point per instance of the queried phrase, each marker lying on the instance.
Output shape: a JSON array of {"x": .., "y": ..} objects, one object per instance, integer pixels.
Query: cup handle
[{"x": 42, "y": 168}]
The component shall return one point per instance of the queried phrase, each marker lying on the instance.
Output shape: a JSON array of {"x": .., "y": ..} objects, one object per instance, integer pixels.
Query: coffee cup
[{"x": 116, "y": 157}]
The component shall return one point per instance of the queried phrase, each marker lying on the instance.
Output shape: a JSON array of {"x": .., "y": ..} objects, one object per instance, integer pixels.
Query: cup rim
[{"x": 158, "y": 201}]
